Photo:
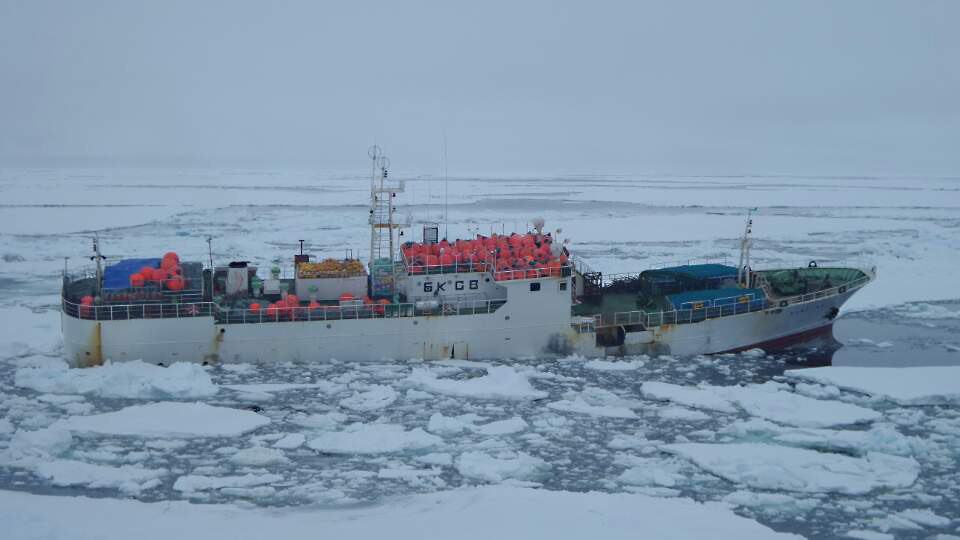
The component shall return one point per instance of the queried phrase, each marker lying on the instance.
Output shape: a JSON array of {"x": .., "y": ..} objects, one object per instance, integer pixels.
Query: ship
[{"x": 506, "y": 296}]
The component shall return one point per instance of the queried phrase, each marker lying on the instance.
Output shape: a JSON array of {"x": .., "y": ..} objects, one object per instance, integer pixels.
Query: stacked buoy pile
[
  {"x": 168, "y": 275},
  {"x": 291, "y": 309},
  {"x": 517, "y": 256}
]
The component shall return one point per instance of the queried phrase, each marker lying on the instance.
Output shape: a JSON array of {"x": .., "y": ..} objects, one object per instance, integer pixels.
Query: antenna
[
  {"x": 743, "y": 272},
  {"x": 210, "y": 250},
  {"x": 446, "y": 181}
]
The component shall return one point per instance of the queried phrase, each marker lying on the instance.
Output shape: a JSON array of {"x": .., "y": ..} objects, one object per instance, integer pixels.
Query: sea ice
[
  {"x": 373, "y": 439},
  {"x": 771, "y": 503},
  {"x": 258, "y": 456},
  {"x": 681, "y": 414},
  {"x": 772, "y": 467},
  {"x": 167, "y": 419},
  {"x": 199, "y": 482},
  {"x": 449, "y": 425},
  {"x": 498, "y": 511},
  {"x": 579, "y": 405},
  {"x": 930, "y": 385},
  {"x": 323, "y": 421},
  {"x": 618, "y": 365},
  {"x": 685, "y": 395},
  {"x": 126, "y": 478},
  {"x": 135, "y": 379},
  {"x": 925, "y": 517},
  {"x": 502, "y": 427},
  {"x": 291, "y": 441},
  {"x": 922, "y": 310},
  {"x": 597, "y": 402},
  {"x": 883, "y": 438},
  {"x": 769, "y": 401},
  {"x": 506, "y": 465},
  {"x": 500, "y": 382},
  {"x": 374, "y": 397}
]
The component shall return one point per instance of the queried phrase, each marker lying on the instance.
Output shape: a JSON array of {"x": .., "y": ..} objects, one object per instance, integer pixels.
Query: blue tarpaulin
[
  {"x": 703, "y": 271},
  {"x": 117, "y": 275},
  {"x": 714, "y": 297}
]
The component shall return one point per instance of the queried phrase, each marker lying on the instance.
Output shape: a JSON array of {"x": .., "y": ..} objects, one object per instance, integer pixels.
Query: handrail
[
  {"x": 486, "y": 265},
  {"x": 148, "y": 310},
  {"x": 359, "y": 311},
  {"x": 684, "y": 316},
  {"x": 152, "y": 310}
]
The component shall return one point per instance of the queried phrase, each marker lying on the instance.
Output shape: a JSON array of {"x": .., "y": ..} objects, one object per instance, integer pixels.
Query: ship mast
[
  {"x": 382, "y": 250},
  {"x": 746, "y": 242}
]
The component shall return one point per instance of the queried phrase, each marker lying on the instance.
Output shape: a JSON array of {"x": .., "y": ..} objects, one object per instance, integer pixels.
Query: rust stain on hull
[{"x": 96, "y": 346}]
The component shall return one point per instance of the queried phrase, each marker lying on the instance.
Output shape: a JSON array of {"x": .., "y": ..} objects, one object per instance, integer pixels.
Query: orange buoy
[
  {"x": 87, "y": 300},
  {"x": 147, "y": 272},
  {"x": 169, "y": 260},
  {"x": 254, "y": 308},
  {"x": 273, "y": 311},
  {"x": 136, "y": 280},
  {"x": 292, "y": 300},
  {"x": 313, "y": 304},
  {"x": 346, "y": 297},
  {"x": 176, "y": 283}
]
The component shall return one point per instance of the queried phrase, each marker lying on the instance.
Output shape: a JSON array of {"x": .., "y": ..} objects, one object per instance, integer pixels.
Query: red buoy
[
  {"x": 136, "y": 280},
  {"x": 176, "y": 283}
]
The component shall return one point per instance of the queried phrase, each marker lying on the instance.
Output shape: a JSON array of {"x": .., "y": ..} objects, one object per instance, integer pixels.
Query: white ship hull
[{"x": 529, "y": 324}]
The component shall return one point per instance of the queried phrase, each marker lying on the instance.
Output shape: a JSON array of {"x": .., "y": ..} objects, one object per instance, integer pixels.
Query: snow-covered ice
[
  {"x": 135, "y": 379},
  {"x": 500, "y": 382},
  {"x": 908, "y": 386},
  {"x": 168, "y": 419},
  {"x": 685, "y": 395},
  {"x": 362, "y": 438},
  {"x": 767, "y": 466},
  {"x": 471, "y": 514},
  {"x": 500, "y": 467}
]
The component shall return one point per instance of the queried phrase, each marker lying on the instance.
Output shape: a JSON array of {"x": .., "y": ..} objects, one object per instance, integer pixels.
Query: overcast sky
[{"x": 837, "y": 87}]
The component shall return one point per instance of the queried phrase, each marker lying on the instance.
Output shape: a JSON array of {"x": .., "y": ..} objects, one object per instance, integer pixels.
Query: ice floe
[
  {"x": 882, "y": 438},
  {"x": 291, "y": 441},
  {"x": 167, "y": 419},
  {"x": 922, "y": 310},
  {"x": 929, "y": 385},
  {"x": 500, "y": 382},
  {"x": 126, "y": 478},
  {"x": 362, "y": 438},
  {"x": 135, "y": 379},
  {"x": 259, "y": 456},
  {"x": 772, "y": 402},
  {"x": 502, "y": 466},
  {"x": 686, "y": 395},
  {"x": 372, "y": 398},
  {"x": 773, "y": 467},
  {"x": 681, "y": 414},
  {"x": 498, "y": 511},
  {"x": 614, "y": 365},
  {"x": 596, "y": 401},
  {"x": 771, "y": 503},
  {"x": 199, "y": 482}
]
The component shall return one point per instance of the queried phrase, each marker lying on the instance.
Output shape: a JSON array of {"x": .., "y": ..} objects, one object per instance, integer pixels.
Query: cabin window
[
  {"x": 563, "y": 285},
  {"x": 535, "y": 286}
]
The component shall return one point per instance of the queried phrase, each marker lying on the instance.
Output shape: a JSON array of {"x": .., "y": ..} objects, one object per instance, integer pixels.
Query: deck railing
[
  {"x": 226, "y": 315},
  {"x": 686, "y": 316},
  {"x": 146, "y": 310},
  {"x": 487, "y": 265}
]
